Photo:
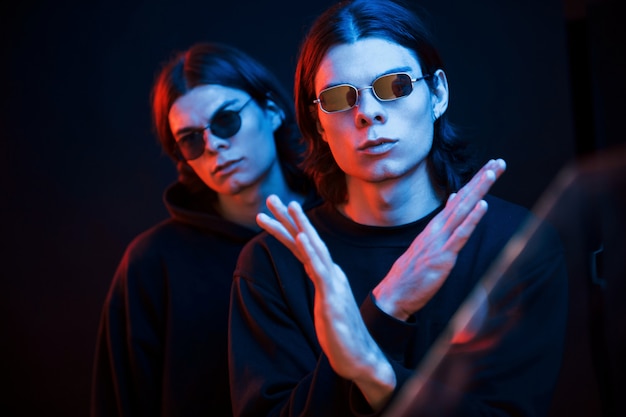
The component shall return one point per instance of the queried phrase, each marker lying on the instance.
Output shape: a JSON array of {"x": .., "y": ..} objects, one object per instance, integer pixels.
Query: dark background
[{"x": 537, "y": 82}]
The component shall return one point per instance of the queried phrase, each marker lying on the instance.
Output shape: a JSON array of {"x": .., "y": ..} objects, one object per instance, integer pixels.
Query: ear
[
  {"x": 320, "y": 129},
  {"x": 276, "y": 114},
  {"x": 440, "y": 94},
  {"x": 313, "y": 109}
]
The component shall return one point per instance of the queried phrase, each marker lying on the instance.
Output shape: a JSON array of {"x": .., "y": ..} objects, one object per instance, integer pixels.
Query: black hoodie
[{"x": 162, "y": 343}]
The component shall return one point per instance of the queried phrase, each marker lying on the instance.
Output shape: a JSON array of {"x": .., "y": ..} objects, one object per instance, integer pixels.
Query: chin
[
  {"x": 386, "y": 175},
  {"x": 236, "y": 187}
]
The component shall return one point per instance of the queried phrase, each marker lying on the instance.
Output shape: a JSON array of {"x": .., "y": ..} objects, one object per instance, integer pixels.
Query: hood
[{"x": 196, "y": 210}]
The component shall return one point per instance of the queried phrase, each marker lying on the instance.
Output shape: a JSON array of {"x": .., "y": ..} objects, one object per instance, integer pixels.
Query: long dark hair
[
  {"x": 215, "y": 63},
  {"x": 449, "y": 162}
]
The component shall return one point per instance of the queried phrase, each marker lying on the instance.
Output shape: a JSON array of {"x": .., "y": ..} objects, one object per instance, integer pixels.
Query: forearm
[{"x": 351, "y": 350}]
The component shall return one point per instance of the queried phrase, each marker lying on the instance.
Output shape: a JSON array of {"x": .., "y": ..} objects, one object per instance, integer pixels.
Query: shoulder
[
  {"x": 262, "y": 246},
  {"x": 506, "y": 220},
  {"x": 154, "y": 239},
  {"x": 504, "y": 217},
  {"x": 266, "y": 261},
  {"x": 163, "y": 256},
  {"x": 501, "y": 222},
  {"x": 506, "y": 209},
  {"x": 510, "y": 216}
]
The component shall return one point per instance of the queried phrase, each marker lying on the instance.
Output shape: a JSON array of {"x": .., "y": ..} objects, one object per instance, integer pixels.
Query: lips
[
  {"x": 225, "y": 166},
  {"x": 370, "y": 145}
]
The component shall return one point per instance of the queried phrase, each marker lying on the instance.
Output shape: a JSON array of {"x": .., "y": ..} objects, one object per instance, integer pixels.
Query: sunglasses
[
  {"x": 386, "y": 88},
  {"x": 224, "y": 124}
]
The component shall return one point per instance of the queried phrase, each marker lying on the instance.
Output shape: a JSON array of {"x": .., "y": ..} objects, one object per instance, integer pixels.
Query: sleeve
[
  {"x": 393, "y": 336},
  {"x": 277, "y": 367},
  {"x": 509, "y": 364},
  {"x": 127, "y": 370}
]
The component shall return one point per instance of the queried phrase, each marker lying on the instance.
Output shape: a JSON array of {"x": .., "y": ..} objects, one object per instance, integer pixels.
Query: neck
[
  {"x": 389, "y": 203},
  {"x": 242, "y": 207}
]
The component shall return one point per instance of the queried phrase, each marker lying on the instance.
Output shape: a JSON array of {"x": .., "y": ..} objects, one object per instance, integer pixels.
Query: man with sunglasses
[
  {"x": 162, "y": 343},
  {"x": 335, "y": 308}
]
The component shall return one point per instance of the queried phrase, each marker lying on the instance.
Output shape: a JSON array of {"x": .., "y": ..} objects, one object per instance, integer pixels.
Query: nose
[
  {"x": 370, "y": 109},
  {"x": 213, "y": 143}
]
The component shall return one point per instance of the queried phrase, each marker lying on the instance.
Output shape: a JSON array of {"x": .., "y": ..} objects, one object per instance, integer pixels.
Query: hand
[
  {"x": 418, "y": 274},
  {"x": 340, "y": 330}
]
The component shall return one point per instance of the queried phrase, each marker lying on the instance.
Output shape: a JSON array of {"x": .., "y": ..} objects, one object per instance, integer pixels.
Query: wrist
[
  {"x": 378, "y": 385},
  {"x": 388, "y": 306}
]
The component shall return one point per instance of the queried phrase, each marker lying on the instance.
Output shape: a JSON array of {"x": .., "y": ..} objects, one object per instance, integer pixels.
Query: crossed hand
[{"x": 413, "y": 279}]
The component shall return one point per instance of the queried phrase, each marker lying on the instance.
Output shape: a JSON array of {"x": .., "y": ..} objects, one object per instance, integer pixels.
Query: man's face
[
  {"x": 377, "y": 140},
  {"x": 231, "y": 164}
]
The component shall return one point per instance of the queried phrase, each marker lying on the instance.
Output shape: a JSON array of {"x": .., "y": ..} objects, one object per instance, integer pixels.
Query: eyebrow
[
  {"x": 390, "y": 71},
  {"x": 394, "y": 70},
  {"x": 189, "y": 129}
]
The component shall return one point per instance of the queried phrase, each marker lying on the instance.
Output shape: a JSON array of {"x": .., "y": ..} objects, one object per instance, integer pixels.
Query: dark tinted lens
[
  {"x": 192, "y": 145},
  {"x": 393, "y": 86},
  {"x": 341, "y": 97},
  {"x": 225, "y": 124}
]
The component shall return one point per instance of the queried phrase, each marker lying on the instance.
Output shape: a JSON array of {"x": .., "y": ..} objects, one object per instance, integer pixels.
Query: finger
[
  {"x": 276, "y": 229},
  {"x": 280, "y": 212},
  {"x": 498, "y": 166},
  {"x": 319, "y": 270},
  {"x": 481, "y": 182},
  {"x": 305, "y": 227},
  {"x": 313, "y": 265},
  {"x": 463, "y": 232},
  {"x": 460, "y": 205},
  {"x": 476, "y": 189}
]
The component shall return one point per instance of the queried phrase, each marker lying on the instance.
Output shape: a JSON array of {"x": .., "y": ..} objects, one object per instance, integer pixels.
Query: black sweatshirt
[
  {"x": 162, "y": 342},
  {"x": 278, "y": 367}
]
